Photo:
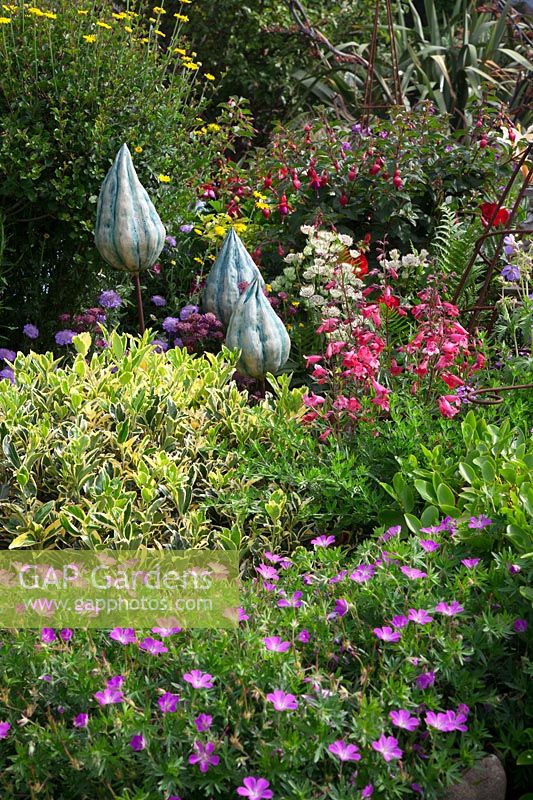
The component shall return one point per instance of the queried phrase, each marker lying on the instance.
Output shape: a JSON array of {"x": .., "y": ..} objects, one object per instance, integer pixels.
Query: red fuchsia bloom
[
  {"x": 397, "y": 181},
  {"x": 282, "y": 701},
  {"x": 109, "y": 697},
  {"x": 138, "y": 742},
  {"x": 520, "y": 625},
  {"x": 199, "y": 679},
  {"x": 419, "y": 616},
  {"x": 479, "y": 522},
  {"x": 292, "y": 602},
  {"x": 283, "y": 206},
  {"x": 363, "y": 573},
  {"x": 255, "y": 789},
  {"x": 413, "y": 573},
  {"x": 386, "y": 634},
  {"x": 445, "y": 405},
  {"x": 491, "y": 217},
  {"x": 267, "y": 572},
  {"x": 328, "y": 326},
  {"x": 344, "y": 751},
  {"x": 81, "y": 721},
  {"x": 399, "y": 621},
  {"x": 48, "y": 635},
  {"x": 402, "y": 719},
  {"x": 323, "y": 541},
  {"x": 204, "y": 756},
  {"x": 313, "y": 400},
  {"x": 123, "y": 635},
  {"x": 168, "y": 702},
  {"x": 153, "y": 646},
  {"x": 203, "y": 722},
  {"x": 449, "y": 609},
  {"x": 425, "y": 680},
  {"x": 275, "y": 644},
  {"x": 5, "y": 727},
  {"x": 429, "y": 545},
  {"x": 470, "y": 563},
  {"x": 388, "y": 747}
]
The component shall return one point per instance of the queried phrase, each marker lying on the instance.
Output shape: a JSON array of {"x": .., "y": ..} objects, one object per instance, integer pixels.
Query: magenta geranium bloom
[
  {"x": 479, "y": 522},
  {"x": 470, "y": 563},
  {"x": 123, "y": 635},
  {"x": 203, "y": 722},
  {"x": 275, "y": 644},
  {"x": 399, "y": 621},
  {"x": 388, "y": 747},
  {"x": 386, "y": 634},
  {"x": 5, "y": 727},
  {"x": 303, "y": 636},
  {"x": 449, "y": 609},
  {"x": 153, "y": 646},
  {"x": 81, "y": 721},
  {"x": 165, "y": 632},
  {"x": 367, "y": 791},
  {"x": 243, "y": 616},
  {"x": 363, "y": 573},
  {"x": 323, "y": 541},
  {"x": 520, "y": 625},
  {"x": 199, "y": 679},
  {"x": 291, "y": 602},
  {"x": 413, "y": 573},
  {"x": 402, "y": 719},
  {"x": 447, "y": 721},
  {"x": 204, "y": 755},
  {"x": 48, "y": 635},
  {"x": 168, "y": 702},
  {"x": 344, "y": 751},
  {"x": 429, "y": 545},
  {"x": 425, "y": 680},
  {"x": 255, "y": 789},
  {"x": 115, "y": 682},
  {"x": 109, "y": 697},
  {"x": 138, "y": 743},
  {"x": 282, "y": 701},
  {"x": 267, "y": 572},
  {"x": 420, "y": 616}
]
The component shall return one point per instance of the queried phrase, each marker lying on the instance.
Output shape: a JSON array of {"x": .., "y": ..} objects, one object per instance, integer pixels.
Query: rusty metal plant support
[
  {"x": 493, "y": 397},
  {"x": 396, "y": 95},
  {"x": 491, "y": 262}
]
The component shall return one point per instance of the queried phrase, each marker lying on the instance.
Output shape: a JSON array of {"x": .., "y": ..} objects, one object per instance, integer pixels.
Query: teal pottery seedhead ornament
[
  {"x": 256, "y": 330},
  {"x": 233, "y": 267}
]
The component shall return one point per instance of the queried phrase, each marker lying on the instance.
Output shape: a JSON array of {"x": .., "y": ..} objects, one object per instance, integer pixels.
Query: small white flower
[{"x": 307, "y": 291}]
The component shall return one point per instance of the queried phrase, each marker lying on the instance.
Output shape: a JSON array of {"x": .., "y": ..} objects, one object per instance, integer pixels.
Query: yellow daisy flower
[
  {"x": 159, "y": 33},
  {"x": 5, "y": 20},
  {"x": 199, "y": 260},
  {"x": 158, "y": 10},
  {"x": 35, "y": 11},
  {"x": 164, "y": 178},
  {"x": 49, "y": 15},
  {"x": 219, "y": 230},
  {"x": 90, "y": 37},
  {"x": 181, "y": 17},
  {"x": 209, "y": 77},
  {"x": 213, "y": 127},
  {"x": 180, "y": 51},
  {"x": 190, "y": 65},
  {"x": 82, "y": 13},
  {"x": 138, "y": 149},
  {"x": 103, "y": 25},
  {"x": 128, "y": 29}
]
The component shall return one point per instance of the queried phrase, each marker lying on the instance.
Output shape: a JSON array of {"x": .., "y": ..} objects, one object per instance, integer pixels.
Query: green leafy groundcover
[{"x": 407, "y": 660}]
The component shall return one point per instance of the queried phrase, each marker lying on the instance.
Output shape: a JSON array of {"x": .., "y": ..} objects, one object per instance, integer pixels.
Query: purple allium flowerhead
[
  {"x": 419, "y": 616},
  {"x": 123, "y": 635},
  {"x": 425, "y": 680},
  {"x": 429, "y": 545},
  {"x": 66, "y": 634},
  {"x": 110, "y": 299},
  {"x": 386, "y": 634},
  {"x": 479, "y": 522},
  {"x": 7, "y": 355},
  {"x": 168, "y": 702},
  {"x": 367, "y": 791},
  {"x": 470, "y": 563},
  {"x": 399, "y": 621},
  {"x": 291, "y": 602},
  {"x": 153, "y": 646},
  {"x": 322, "y": 541},
  {"x": 267, "y": 572},
  {"x": 7, "y": 374},
  {"x": 413, "y": 573},
  {"x": 449, "y": 609},
  {"x": 187, "y": 311},
  {"x": 64, "y": 337},
  {"x": 138, "y": 742},
  {"x": 275, "y": 644},
  {"x": 363, "y": 573},
  {"x": 303, "y": 636},
  {"x": 203, "y": 722},
  {"x": 170, "y": 240},
  {"x": 388, "y": 747},
  {"x": 520, "y": 625},
  {"x": 255, "y": 789},
  {"x": 158, "y": 300},
  {"x": 510, "y": 273},
  {"x": 109, "y": 697},
  {"x": 166, "y": 632},
  {"x": 344, "y": 751},
  {"x": 116, "y": 682},
  {"x": 282, "y": 701},
  {"x": 186, "y": 228},
  {"x": 170, "y": 325},
  {"x": 204, "y": 755},
  {"x": 81, "y": 721},
  {"x": 402, "y": 719},
  {"x": 48, "y": 635},
  {"x": 199, "y": 679},
  {"x": 31, "y": 331},
  {"x": 5, "y": 727}
]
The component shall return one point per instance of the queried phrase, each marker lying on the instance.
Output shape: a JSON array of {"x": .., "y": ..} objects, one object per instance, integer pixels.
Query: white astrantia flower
[
  {"x": 307, "y": 291},
  {"x": 317, "y": 300}
]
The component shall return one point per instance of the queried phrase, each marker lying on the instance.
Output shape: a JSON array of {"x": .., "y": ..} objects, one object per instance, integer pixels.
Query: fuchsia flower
[
  {"x": 323, "y": 541},
  {"x": 123, "y": 635},
  {"x": 153, "y": 646},
  {"x": 344, "y": 751},
  {"x": 413, "y": 573},
  {"x": 275, "y": 644},
  {"x": 388, "y": 747},
  {"x": 204, "y": 756},
  {"x": 402, "y": 719},
  {"x": 449, "y": 609},
  {"x": 109, "y": 697},
  {"x": 199, "y": 679},
  {"x": 386, "y": 634},
  {"x": 5, "y": 727},
  {"x": 168, "y": 702},
  {"x": 255, "y": 789},
  {"x": 293, "y": 602},
  {"x": 203, "y": 722},
  {"x": 282, "y": 701},
  {"x": 419, "y": 616},
  {"x": 138, "y": 743},
  {"x": 363, "y": 573}
]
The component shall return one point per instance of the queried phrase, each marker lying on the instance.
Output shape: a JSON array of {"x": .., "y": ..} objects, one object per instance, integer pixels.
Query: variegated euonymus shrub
[{"x": 130, "y": 446}]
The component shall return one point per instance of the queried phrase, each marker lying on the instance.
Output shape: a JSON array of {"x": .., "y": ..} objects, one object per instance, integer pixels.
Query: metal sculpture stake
[{"x": 396, "y": 97}]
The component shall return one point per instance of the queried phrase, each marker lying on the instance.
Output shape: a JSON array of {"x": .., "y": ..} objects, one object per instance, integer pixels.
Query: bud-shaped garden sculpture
[
  {"x": 256, "y": 330},
  {"x": 233, "y": 266},
  {"x": 129, "y": 233}
]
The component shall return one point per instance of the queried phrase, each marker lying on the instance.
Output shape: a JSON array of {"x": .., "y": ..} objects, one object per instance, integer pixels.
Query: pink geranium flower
[
  {"x": 413, "y": 573},
  {"x": 153, "y": 646},
  {"x": 420, "y": 616},
  {"x": 386, "y": 634},
  {"x": 275, "y": 644},
  {"x": 449, "y": 609},
  {"x": 402, "y": 719},
  {"x": 344, "y": 751},
  {"x": 109, "y": 697},
  {"x": 388, "y": 747},
  {"x": 282, "y": 701},
  {"x": 123, "y": 635},
  {"x": 168, "y": 702},
  {"x": 255, "y": 789},
  {"x": 199, "y": 679},
  {"x": 204, "y": 756}
]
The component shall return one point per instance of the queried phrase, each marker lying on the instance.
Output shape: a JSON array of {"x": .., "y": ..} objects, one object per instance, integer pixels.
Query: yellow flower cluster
[
  {"x": 104, "y": 25},
  {"x": 38, "y": 13},
  {"x": 5, "y": 20},
  {"x": 158, "y": 10},
  {"x": 181, "y": 17},
  {"x": 9, "y": 7},
  {"x": 121, "y": 15},
  {"x": 89, "y": 37},
  {"x": 164, "y": 179}
]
